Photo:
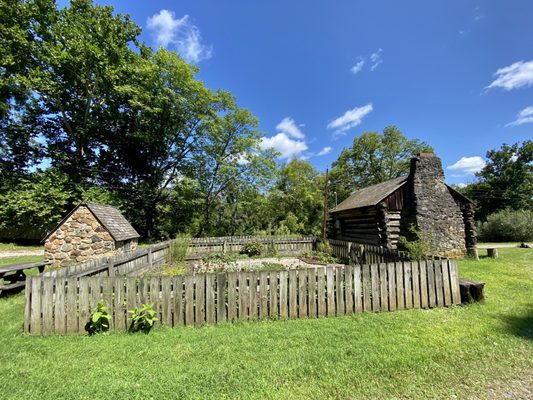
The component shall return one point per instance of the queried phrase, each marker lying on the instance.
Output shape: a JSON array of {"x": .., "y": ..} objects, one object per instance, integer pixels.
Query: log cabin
[{"x": 380, "y": 213}]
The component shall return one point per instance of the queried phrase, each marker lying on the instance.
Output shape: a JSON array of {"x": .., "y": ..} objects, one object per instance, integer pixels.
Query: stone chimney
[{"x": 432, "y": 209}]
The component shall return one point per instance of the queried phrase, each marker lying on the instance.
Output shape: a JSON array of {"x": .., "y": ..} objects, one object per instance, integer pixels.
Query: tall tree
[
  {"x": 297, "y": 198},
  {"x": 506, "y": 181},
  {"x": 22, "y": 29},
  {"x": 373, "y": 158},
  {"x": 82, "y": 59},
  {"x": 231, "y": 158},
  {"x": 159, "y": 130}
]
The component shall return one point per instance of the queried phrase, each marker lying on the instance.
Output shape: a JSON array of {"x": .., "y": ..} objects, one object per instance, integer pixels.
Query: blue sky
[{"x": 456, "y": 74}]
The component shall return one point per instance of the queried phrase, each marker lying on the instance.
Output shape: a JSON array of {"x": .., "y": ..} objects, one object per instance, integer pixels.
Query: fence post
[
  {"x": 110, "y": 267},
  {"x": 224, "y": 247},
  {"x": 150, "y": 262}
]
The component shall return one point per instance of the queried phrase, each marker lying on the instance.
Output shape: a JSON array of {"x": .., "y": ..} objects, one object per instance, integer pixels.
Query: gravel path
[
  {"x": 499, "y": 245},
  {"x": 7, "y": 253}
]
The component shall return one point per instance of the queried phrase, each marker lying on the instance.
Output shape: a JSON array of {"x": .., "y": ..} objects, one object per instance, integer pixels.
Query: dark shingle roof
[
  {"x": 112, "y": 220},
  {"x": 371, "y": 195}
]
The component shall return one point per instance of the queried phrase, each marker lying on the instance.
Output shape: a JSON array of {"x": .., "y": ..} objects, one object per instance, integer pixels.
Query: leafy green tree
[
  {"x": 21, "y": 33},
  {"x": 297, "y": 198},
  {"x": 81, "y": 61},
  {"x": 230, "y": 159},
  {"x": 506, "y": 181},
  {"x": 160, "y": 130},
  {"x": 35, "y": 204},
  {"x": 373, "y": 158}
]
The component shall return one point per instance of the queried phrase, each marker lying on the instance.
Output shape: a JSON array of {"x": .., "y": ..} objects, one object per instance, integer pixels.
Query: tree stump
[
  {"x": 472, "y": 252},
  {"x": 492, "y": 252},
  {"x": 471, "y": 291}
]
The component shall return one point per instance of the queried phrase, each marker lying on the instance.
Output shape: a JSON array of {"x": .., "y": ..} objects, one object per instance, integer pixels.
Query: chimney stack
[{"x": 426, "y": 167}]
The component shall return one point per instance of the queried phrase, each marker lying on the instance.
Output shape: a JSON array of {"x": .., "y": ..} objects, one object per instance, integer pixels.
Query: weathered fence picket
[{"x": 63, "y": 305}]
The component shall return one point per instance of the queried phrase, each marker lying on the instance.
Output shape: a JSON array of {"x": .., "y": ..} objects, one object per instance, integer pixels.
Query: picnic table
[{"x": 14, "y": 276}]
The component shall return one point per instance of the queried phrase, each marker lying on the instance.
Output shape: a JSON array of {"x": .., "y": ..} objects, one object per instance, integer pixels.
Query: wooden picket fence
[
  {"x": 131, "y": 263},
  {"x": 358, "y": 253},
  {"x": 63, "y": 305},
  {"x": 284, "y": 245}
]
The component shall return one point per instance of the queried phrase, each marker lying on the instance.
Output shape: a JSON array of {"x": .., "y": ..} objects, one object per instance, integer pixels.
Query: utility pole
[{"x": 325, "y": 206}]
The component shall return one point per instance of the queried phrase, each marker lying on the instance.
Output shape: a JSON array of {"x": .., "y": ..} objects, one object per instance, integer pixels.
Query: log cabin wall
[
  {"x": 393, "y": 205},
  {"x": 360, "y": 225},
  {"x": 377, "y": 225}
]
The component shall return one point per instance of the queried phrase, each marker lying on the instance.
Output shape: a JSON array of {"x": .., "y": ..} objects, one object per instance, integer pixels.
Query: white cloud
[
  {"x": 461, "y": 185},
  {"x": 376, "y": 59},
  {"x": 468, "y": 165},
  {"x": 514, "y": 76},
  {"x": 350, "y": 119},
  {"x": 168, "y": 30},
  {"x": 523, "y": 117},
  {"x": 289, "y": 127},
  {"x": 283, "y": 144},
  {"x": 358, "y": 66},
  {"x": 324, "y": 151}
]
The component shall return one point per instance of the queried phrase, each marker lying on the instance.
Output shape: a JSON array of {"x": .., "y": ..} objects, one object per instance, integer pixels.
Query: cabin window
[{"x": 127, "y": 245}]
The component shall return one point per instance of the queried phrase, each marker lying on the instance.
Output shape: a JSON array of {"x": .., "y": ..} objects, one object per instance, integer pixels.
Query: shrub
[
  {"x": 323, "y": 258},
  {"x": 418, "y": 248},
  {"x": 98, "y": 320},
  {"x": 142, "y": 318},
  {"x": 252, "y": 249},
  {"x": 507, "y": 226},
  {"x": 324, "y": 247},
  {"x": 178, "y": 248},
  {"x": 272, "y": 250},
  {"x": 220, "y": 258}
]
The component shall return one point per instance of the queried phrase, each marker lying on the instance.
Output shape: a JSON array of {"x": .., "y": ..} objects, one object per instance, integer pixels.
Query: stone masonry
[
  {"x": 433, "y": 210},
  {"x": 80, "y": 238}
]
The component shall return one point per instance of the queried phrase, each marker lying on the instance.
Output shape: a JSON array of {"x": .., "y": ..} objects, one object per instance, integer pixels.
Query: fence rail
[
  {"x": 286, "y": 245},
  {"x": 62, "y": 305},
  {"x": 133, "y": 262},
  {"x": 358, "y": 253}
]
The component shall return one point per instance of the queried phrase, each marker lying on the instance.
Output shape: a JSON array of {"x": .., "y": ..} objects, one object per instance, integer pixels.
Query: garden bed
[{"x": 237, "y": 263}]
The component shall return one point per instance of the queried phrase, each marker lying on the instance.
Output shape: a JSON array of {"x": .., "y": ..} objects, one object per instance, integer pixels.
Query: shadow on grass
[
  {"x": 521, "y": 326},
  {"x": 10, "y": 292}
]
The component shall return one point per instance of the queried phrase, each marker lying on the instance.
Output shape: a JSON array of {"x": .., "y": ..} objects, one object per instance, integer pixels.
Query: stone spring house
[
  {"x": 379, "y": 214},
  {"x": 89, "y": 231}
]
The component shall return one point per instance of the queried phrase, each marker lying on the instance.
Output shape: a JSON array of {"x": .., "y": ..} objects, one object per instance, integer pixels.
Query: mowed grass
[
  {"x": 19, "y": 260},
  {"x": 476, "y": 351}
]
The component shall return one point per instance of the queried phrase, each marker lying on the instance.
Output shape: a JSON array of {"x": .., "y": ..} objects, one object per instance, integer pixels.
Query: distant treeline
[{"x": 89, "y": 112}]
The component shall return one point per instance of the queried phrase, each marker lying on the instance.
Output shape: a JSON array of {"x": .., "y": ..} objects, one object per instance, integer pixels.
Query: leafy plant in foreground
[
  {"x": 143, "y": 318},
  {"x": 99, "y": 319}
]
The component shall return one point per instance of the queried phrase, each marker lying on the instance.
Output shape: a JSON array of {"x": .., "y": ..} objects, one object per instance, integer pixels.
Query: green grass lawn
[
  {"x": 476, "y": 351},
  {"x": 19, "y": 260}
]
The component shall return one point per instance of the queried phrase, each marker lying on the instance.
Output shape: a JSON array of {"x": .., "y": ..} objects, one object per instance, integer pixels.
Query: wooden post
[
  {"x": 472, "y": 252},
  {"x": 110, "y": 267},
  {"x": 150, "y": 257},
  {"x": 324, "y": 219},
  {"x": 492, "y": 252}
]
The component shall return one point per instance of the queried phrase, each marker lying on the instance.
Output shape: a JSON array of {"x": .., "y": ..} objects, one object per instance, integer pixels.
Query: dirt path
[
  {"x": 8, "y": 253},
  {"x": 499, "y": 245}
]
